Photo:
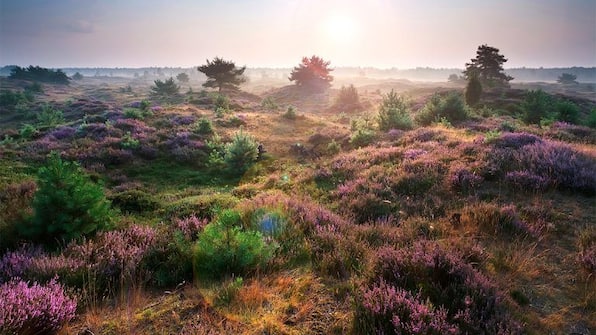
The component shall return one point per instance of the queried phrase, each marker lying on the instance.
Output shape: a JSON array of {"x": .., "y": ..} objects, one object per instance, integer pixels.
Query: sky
[{"x": 278, "y": 33}]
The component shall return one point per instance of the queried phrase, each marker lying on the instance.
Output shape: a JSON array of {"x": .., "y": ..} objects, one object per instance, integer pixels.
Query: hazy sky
[{"x": 277, "y": 33}]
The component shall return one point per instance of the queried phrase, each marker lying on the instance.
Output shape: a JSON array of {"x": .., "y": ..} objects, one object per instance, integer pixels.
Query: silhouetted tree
[
  {"x": 182, "y": 77},
  {"x": 37, "y": 73},
  {"x": 222, "y": 74},
  {"x": 77, "y": 76},
  {"x": 567, "y": 78},
  {"x": 473, "y": 91},
  {"x": 348, "y": 100},
  {"x": 488, "y": 67},
  {"x": 165, "y": 88},
  {"x": 312, "y": 73}
]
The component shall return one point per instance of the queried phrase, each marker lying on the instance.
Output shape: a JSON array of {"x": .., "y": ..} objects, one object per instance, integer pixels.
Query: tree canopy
[
  {"x": 567, "y": 78},
  {"x": 37, "y": 73},
  {"x": 222, "y": 74},
  {"x": 488, "y": 67},
  {"x": 312, "y": 73},
  {"x": 165, "y": 88},
  {"x": 182, "y": 77}
]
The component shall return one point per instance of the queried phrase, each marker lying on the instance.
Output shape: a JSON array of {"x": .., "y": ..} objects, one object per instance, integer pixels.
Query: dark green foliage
[
  {"x": 165, "y": 88},
  {"x": 241, "y": 153},
  {"x": 488, "y": 67},
  {"x": 222, "y": 74},
  {"x": 36, "y": 73},
  {"x": 567, "y": 78},
  {"x": 347, "y": 100},
  {"x": 170, "y": 260},
  {"x": 67, "y": 204},
  {"x": 473, "y": 91},
  {"x": 77, "y": 76},
  {"x": 34, "y": 88},
  {"x": 451, "y": 107},
  {"x": 221, "y": 102},
  {"x": 225, "y": 248},
  {"x": 312, "y": 74},
  {"x": 536, "y": 105},
  {"x": 10, "y": 99},
  {"x": 203, "y": 126},
  {"x": 49, "y": 116},
  {"x": 567, "y": 111},
  {"x": 394, "y": 113},
  {"x": 134, "y": 201},
  {"x": 182, "y": 77},
  {"x": 591, "y": 122},
  {"x": 362, "y": 133}
]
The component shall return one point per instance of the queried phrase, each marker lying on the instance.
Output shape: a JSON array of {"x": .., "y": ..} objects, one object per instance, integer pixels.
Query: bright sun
[{"x": 340, "y": 28}]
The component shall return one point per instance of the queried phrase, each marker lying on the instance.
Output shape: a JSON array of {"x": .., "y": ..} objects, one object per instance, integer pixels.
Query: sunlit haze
[{"x": 275, "y": 33}]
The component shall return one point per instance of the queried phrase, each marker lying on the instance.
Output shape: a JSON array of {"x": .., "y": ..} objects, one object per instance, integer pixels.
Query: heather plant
[
  {"x": 462, "y": 179},
  {"x": 385, "y": 309},
  {"x": 394, "y": 113},
  {"x": 241, "y": 153},
  {"x": 34, "y": 308},
  {"x": 67, "y": 204},
  {"x": 440, "y": 277},
  {"x": 494, "y": 220},
  {"x": 136, "y": 201},
  {"x": 225, "y": 248}
]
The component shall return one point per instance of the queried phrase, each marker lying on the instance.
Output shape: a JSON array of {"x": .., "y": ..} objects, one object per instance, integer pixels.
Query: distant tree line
[{"x": 37, "y": 73}]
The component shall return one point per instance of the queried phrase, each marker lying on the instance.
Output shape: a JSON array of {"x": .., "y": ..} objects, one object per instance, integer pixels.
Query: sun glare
[{"x": 340, "y": 28}]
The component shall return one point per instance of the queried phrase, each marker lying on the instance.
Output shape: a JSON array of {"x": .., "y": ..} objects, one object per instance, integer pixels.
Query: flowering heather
[
  {"x": 183, "y": 120},
  {"x": 527, "y": 181},
  {"x": 15, "y": 263},
  {"x": 571, "y": 133},
  {"x": 190, "y": 226},
  {"x": 414, "y": 153},
  {"x": 63, "y": 133},
  {"x": 441, "y": 276},
  {"x": 395, "y": 134},
  {"x": 385, "y": 309},
  {"x": 34, "y": 309},
  {"x": 515, "y": 140},
  {"x": 156, "y": 109},
  {"x": 113, "y": 115},
  {"x": 462, "y": 179}
]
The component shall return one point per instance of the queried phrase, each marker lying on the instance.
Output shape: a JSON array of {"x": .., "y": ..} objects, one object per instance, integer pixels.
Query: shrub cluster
[
  {"x": 394, "y": 113},
  {"x": 36, "y": 73},
  {"x": 347, "y": 100},
  {"x": 34, "y": 309},
  {"x": 450, "y": 107}
]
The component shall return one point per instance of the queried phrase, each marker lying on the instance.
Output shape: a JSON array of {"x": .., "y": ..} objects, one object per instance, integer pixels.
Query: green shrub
[
  {"x": 27, "y": 131},
  {"x": 203, "y": 206},
  {"x": 347, "y": 100},
  {"x": 34, "y": 88},
  {"x": 203, "y": 126},
  {"x": 241, "y": 153},
  {"x": 225, "y": 248},
  {"x": 536, "y": 106},
  {"x": 269, "y": 104},
  {"x": 567, "y": 111},
  {"x": 49, "y": 116},
  {"x": 333, "y": 147},
  {"x": 67, "y": 204},
  {"x": 134, "y": 201},
  {"x": 591, "y": 121},
  {"x": 473, "y": 91},
  {"x": 129, "y": 142},
  {"x": 394, "y": 113},
  {"x": 450, "y": 107},
  {"x": 290, "y": 113},
  {"x": 165, "y": 88},
  {"x": 362, "y": 134},
  {"x": 221, "y": 101},
  {"x": 228, "y": 292}
]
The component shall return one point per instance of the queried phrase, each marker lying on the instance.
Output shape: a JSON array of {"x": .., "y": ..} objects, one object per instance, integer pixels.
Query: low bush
[
  {"x": 134, "y": 201},
  {"x": 203, "y": 127},
  {"x": 347, "y": 100},
  {"x": 34, "y": 309},
  {"x": 394, "y": 113},
  {"x": 451, "y": 107},
  {"x": 225, "y": 248},
  {"x": 241, "y": 153},
  {"x": 536, "y": 106}
]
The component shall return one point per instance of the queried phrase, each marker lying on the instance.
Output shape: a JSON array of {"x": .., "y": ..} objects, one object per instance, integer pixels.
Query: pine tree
[
  {"x": 488, "y": 67},
  {"x": 312, "y": 73},
  {"x": 67, "y": 204},
  {"x": 222, "y": 74}
]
